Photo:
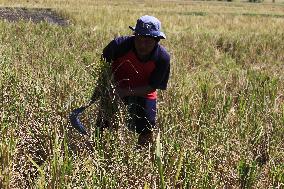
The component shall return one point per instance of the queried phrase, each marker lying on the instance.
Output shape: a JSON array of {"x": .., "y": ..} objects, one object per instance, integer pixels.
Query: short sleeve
[
  {"x": 109, "y": 51},
  {"x": 117, "y": 48},
  {"x": 160, "y": 75}
]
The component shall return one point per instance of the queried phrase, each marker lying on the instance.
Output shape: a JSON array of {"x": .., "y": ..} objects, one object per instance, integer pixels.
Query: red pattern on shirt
[{"x": 130, "y": 73}]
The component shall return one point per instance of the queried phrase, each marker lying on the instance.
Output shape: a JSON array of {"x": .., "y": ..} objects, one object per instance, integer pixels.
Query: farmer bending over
[{"x": 140, "y": 66}]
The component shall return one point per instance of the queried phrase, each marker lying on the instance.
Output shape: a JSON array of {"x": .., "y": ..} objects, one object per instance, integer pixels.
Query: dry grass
[{"x": 221, "y": 118}]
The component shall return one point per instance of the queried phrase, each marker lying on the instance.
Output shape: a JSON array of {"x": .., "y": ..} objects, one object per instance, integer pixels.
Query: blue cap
[{"x": 148, "y": 26}]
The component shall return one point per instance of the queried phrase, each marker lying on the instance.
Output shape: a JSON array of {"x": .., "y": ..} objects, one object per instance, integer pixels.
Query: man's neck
[{"x": 143, "y": 58}]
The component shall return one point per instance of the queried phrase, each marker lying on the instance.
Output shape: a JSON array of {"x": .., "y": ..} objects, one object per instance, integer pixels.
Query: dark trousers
[{"x": 142, "y": 114}]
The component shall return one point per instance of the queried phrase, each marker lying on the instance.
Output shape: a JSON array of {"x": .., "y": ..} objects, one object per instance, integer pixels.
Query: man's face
[{"x": 144, "y": 45}]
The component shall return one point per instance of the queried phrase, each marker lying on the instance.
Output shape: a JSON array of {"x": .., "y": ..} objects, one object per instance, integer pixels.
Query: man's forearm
[{"x": 138, "y": 91}]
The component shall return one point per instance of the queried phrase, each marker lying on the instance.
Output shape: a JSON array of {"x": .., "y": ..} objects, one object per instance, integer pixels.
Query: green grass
[{"x": 221, "y": 119}]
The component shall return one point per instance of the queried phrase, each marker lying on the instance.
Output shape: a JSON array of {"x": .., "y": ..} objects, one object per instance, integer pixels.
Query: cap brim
[
  {"x": 132, "y": 28},
  {"x": 161, "y": 36}
]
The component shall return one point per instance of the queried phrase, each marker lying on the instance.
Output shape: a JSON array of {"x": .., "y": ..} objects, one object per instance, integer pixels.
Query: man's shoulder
[
  {"x": 123, "y": 44},
  {"x": 124, "y": 40},
  {"x": 162, "y": 54}
]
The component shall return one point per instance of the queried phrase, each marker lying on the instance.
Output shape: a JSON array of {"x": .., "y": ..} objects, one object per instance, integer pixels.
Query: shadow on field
[{"x": 36, "y": 15}]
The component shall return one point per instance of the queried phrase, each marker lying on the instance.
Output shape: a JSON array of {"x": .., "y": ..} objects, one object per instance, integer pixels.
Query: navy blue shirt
[{"x": 121, "y": 51}]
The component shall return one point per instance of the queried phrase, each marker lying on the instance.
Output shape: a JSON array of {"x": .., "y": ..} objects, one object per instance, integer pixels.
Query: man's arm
[
  {"x": 160, "y": 76},
  {"x": 138, "y": 91}
]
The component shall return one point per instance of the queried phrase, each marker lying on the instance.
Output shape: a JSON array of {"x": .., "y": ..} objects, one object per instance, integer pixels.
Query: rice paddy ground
[
  {"x": 221, "y": 120},
  {"x": 36, "y": 15}
]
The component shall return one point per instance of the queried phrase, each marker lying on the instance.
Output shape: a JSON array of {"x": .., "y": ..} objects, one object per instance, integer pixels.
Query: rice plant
[{"x": 220, "y": 121}]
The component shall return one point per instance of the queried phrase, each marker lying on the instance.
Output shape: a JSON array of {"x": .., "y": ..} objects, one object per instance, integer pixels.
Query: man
[{"x": 140, "y": 66}]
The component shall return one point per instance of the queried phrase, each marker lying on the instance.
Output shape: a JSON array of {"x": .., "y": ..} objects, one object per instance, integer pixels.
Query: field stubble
[{"x": 221, "y": 118}]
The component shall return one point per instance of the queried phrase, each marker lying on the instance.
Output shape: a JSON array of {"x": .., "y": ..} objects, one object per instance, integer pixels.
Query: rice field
[{"x": 220, "y": 122}]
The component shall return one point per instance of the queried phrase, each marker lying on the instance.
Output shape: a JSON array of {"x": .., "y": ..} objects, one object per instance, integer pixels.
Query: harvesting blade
[{"x": 75, "y": 121}]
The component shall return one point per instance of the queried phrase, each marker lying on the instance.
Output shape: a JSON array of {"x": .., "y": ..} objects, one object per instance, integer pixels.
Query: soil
[{"x": 35, "y": 15}]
